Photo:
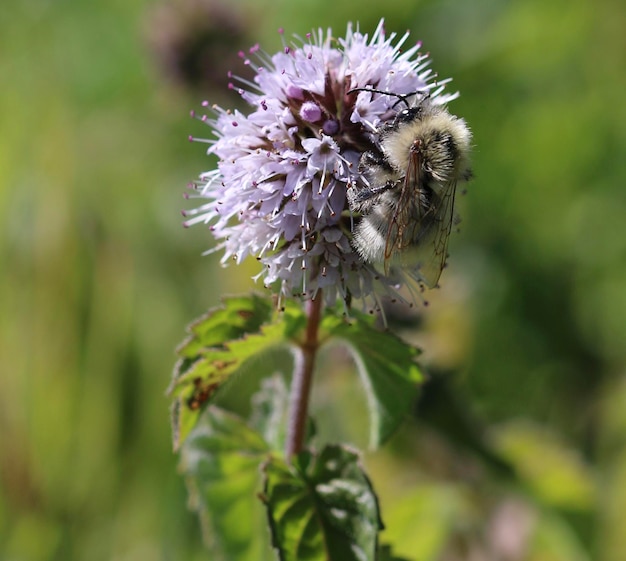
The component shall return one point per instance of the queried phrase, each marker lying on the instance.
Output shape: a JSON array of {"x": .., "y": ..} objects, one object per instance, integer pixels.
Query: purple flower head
[{"x": 279, "y": 190}]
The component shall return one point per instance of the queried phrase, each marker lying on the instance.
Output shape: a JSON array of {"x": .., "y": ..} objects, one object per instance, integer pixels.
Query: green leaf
[
  {"x": 270, "y": 406},
  {"x": 386, "y": 367},
  {"x": 322, "y": 508},
  {"x": 220, "y": 344},
  {"x": 221, "y": 461},
  {"x": 236, "y": 316},
  {"x": 225, "y": 339}
]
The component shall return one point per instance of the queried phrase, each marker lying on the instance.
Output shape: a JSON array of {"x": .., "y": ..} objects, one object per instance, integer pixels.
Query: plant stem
[{"x": 302, "y": 378}]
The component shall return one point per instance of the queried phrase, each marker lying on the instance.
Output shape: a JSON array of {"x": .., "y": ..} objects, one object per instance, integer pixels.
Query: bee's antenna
[{"x": 401, "y": 97}]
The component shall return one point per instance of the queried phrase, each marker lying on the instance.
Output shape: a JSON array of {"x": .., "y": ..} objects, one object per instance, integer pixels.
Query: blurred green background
[{"x": 98, "y": 278}]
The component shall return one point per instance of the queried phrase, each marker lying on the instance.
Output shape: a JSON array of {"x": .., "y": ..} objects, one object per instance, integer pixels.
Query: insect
[{"x": 407, "y": 186}]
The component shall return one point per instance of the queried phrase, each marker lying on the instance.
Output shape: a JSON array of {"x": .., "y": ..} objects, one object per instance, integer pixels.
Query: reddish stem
[{"x": 302, "y": 378}]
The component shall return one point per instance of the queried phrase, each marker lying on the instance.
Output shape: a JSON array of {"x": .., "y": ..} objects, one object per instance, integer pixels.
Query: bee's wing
[
  {"x": 421, "y": 224},
  {"x": 408, "y": 213},
  {"x": 433, "y": 235}
]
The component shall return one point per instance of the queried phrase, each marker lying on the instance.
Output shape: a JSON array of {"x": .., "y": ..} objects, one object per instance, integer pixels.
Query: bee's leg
[
  {"x": 367, "y": 193},
  {"x": 377, "y": 177},
  {"x": 374, "y": 163},
  {"x": 362, "y": 198}
]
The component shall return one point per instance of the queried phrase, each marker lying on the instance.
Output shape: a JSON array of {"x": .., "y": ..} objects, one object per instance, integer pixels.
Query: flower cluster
[{"x": 279, "y": 190}]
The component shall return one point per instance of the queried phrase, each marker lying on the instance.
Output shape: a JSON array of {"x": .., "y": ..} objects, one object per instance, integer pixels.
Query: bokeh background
[{"x": 518, "y": 447}]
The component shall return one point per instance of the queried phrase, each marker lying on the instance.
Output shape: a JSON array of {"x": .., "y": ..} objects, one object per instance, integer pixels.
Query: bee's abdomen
[
  {"x": 370, "y": 238},
  {"x": 371, "y": 233}
]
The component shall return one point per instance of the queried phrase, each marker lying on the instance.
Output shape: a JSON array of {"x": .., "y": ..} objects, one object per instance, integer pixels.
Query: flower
[{"x": 279, "y": 190}]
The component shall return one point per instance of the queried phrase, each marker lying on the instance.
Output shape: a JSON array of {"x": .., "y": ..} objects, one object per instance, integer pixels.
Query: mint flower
[{"x": 279, "y": 190}]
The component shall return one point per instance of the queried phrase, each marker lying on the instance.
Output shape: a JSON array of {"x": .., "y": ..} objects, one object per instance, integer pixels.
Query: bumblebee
[{"x": 407, "y": 185}]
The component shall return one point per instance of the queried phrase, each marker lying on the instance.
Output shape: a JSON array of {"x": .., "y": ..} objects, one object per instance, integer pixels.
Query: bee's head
[{"x": 409, "y": 114}]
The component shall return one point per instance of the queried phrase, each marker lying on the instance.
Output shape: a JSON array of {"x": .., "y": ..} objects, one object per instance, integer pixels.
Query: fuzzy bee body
[{"x": 407, "y": 189}]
